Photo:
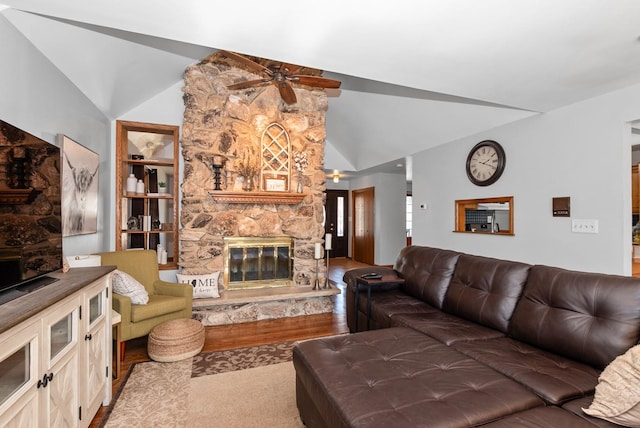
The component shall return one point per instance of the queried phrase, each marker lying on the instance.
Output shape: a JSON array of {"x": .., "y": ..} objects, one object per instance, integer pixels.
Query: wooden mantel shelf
[
  {"x": 14, "y": 196},
  {"x": 284, "y": 198}
]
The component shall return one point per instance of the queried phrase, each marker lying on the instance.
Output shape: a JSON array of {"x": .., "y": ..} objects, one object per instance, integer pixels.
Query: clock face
[{"x": 485, "y": 163}]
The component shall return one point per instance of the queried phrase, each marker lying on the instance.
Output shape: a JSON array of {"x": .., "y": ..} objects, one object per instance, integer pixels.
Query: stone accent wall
[{"x": 230, "y": 123}]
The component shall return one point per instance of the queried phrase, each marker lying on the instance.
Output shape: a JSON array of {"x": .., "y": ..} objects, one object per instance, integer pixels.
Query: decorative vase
[
  {"x": 248, "y": 184},
  {"x": 131, "y": 183},
  {"x": 299, "y": 189}
]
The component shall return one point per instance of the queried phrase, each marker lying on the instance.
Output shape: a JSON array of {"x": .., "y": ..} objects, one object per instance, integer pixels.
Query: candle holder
[
  {"x": 326, "y": 275},
  {"x": 218, "y": 164},
  {"x": 316, "y": 285},
  {"x": 217, "y": 170}
]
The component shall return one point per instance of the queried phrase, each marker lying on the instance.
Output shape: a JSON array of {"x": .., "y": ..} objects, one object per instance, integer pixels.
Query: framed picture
[
  {"x": 275, "y": 183},
  {"x": 79, "y": 188}
]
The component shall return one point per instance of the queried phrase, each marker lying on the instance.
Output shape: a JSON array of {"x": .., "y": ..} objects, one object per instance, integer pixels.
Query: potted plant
[{"x": 162, "y": 187}]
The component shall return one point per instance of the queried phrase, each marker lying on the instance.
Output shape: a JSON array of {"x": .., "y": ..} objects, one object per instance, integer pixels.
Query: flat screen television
[{"x": 30, "y": 209}]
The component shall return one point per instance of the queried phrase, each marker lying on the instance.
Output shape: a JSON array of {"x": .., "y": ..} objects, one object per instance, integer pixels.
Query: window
[
  {"x": 409, "y": 216},
  {"x": 340, "y": 217}
]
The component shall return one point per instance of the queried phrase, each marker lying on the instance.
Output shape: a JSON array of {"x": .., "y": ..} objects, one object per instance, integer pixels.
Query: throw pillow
[
  {"x": 204, "y": 286},
  {"x": 126, "y": 285},
  {"x": 617, "y": 396}
]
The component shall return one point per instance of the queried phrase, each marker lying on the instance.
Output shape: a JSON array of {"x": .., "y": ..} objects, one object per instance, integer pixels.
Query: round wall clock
[{"x": 485, "y": 163}]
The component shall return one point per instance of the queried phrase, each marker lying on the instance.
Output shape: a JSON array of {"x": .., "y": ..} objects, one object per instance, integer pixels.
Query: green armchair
[{"x": 167, "y": 300}]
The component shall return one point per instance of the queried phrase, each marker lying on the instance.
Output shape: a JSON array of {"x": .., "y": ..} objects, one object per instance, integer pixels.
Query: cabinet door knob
[
  {"x": 45, "y": 380},
  {"x": 88, "y": 337}
]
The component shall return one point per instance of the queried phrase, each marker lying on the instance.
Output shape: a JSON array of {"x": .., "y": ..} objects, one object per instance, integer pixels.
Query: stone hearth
[{"x": 254, "y": 305}]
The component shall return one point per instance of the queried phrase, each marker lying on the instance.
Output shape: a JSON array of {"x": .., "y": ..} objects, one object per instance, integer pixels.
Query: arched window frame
[{"x": 275, "y": 171}]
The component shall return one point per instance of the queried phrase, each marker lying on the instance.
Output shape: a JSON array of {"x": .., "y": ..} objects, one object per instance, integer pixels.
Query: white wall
[
  {"x": 582, "y": 151},
  {"x": 39, "y": 99},
  {"x": 389, "y": 214}
]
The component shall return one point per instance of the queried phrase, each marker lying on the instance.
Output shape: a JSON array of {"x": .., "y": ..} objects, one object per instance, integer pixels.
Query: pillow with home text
[{"x": 204, "y": 286}]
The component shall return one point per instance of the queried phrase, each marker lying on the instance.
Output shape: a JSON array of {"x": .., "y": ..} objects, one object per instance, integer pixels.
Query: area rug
[{"x": 248, "y": 387}]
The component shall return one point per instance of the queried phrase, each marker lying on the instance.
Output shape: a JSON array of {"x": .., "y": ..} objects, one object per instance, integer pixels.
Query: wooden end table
[{"x": 388, "y": 279}]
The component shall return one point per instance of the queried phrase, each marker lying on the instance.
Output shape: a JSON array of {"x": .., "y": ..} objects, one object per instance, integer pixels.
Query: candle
[
  {"x": 318, "y": 254},
  {"x": 327, "y": 241}
]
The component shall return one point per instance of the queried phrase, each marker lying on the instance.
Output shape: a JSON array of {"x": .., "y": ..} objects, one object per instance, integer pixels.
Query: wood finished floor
[{"x": 218, "y": 338}]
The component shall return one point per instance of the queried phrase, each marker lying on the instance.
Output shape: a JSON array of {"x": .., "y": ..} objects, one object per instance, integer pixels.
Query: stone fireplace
[{"x": 228, "y": 127}]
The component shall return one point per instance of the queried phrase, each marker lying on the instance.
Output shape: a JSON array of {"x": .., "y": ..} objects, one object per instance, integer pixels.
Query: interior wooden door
[
  {"x": 336, "y": 208},
  {"x": 363, "y": 226}
]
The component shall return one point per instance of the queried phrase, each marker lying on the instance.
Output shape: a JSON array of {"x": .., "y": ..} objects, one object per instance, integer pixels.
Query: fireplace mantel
[
  {"x": 284, "y": 198},
  {"x": 15, "y": 196}
]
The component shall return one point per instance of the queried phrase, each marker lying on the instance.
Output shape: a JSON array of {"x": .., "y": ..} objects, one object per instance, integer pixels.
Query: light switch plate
[{"x": 584, "y": 226}]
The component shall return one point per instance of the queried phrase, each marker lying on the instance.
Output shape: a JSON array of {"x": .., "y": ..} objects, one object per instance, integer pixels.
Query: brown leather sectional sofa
[{"x": 469, "y": 341}]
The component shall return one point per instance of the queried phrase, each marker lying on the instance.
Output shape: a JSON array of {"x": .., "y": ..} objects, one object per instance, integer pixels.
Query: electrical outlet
[{"x": 584, "y": 226}]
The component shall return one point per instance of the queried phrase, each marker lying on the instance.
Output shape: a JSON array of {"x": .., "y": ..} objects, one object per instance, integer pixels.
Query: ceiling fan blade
[
  {"x": 321, "y": 82},
  {"x": 286, "y": 92},
  {"x": 289, "y": 69},
  {"x": 247, "y": 62},
  {"x": 248, "y": 84}
]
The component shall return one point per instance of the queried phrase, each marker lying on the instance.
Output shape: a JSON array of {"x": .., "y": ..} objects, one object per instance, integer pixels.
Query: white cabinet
[
  {"x": 96, "y": 368},
  {"x": 55, "y": 366},
  {"x": 60, "y": 365},
  {"x": 19, "y": 374}
]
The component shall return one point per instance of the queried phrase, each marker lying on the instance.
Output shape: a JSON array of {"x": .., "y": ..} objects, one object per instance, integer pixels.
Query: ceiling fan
[{"x": 282, "y": 75}]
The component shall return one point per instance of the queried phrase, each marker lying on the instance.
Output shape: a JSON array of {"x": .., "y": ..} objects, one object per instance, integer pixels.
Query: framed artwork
[
  {"x": 79, "y": 188},
  {"x": 275, "y": 183}
]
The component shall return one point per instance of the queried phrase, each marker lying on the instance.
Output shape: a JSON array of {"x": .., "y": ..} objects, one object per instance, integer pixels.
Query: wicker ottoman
[{"x": 175, "y": 340}]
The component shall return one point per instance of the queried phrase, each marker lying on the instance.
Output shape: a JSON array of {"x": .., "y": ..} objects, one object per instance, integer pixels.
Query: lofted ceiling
[{"x": 415, "y": 74}]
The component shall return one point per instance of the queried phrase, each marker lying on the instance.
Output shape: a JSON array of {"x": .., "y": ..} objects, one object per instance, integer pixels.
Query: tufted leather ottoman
[
  {"x": 398, "y": 377},
  {"x": 175, "y": 340}
]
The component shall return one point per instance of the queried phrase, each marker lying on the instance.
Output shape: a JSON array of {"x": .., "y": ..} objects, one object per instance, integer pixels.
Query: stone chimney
[{"x": 220, "y": 122}]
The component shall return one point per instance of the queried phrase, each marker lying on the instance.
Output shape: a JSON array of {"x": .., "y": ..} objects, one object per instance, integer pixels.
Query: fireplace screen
[{"x": 258, "y": 262}]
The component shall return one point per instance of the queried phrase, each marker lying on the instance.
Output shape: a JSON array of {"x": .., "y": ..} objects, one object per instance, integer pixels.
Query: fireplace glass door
[{"x": 258, "y": 262}]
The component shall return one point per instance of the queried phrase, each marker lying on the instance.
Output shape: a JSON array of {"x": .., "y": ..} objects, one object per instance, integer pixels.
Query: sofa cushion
[
  {"x": 485, "y": 290},
  {"x": 576, "y": 406},
  {"x": 444, "y": 327},
  {"x": 427, "y": 272},
  {"x": 400, "y": 377},
  {"x": 554, "y": 378},
  {"x": 387, "y": 304},
  {"x": 589, "y": 317},
  {"x": 617, "y": 397},
  {"x": 542, "y": 417},
  {"x": 158, "y": 305}
]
